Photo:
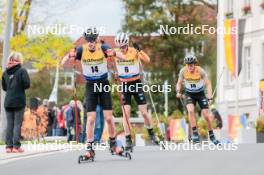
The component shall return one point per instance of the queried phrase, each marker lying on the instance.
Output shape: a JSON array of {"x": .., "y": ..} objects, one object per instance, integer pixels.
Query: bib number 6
[{"x": 126, "y": 69}]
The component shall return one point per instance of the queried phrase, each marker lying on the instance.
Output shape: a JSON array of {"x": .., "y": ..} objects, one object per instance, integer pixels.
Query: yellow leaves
[
  {"x": 18, "y": 42},
  {"x": 43, "y": 51}
]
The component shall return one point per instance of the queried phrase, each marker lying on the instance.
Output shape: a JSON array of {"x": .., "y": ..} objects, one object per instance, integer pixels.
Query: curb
[{"x": 24, "y": 156}]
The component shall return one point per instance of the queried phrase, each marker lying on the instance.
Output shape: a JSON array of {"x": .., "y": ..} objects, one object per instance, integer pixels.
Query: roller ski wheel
[
  {"x": 156, "y": 141},
  {"x": 128, "y": 155},
  {"x": 88, "y": 156},
  {"x": 129, "y": 148},
  {"x": 119, "y": 151}
]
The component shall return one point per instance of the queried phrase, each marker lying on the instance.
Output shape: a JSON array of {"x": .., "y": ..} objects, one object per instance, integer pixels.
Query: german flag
[
  {"x": 230, "y": 45},
  {"x": 261, "y": 85},
  {"x": 232, "y": 30}
]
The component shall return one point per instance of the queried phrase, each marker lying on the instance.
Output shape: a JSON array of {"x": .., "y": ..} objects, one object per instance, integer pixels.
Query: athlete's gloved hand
[
  {"x": 72, "y": 53},
  {"x": 136, "y": 46}
]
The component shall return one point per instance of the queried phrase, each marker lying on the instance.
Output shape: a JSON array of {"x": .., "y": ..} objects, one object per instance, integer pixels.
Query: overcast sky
[{"x": 104, "y": 14}]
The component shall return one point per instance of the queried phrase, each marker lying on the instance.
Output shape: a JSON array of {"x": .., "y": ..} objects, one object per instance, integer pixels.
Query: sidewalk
[{"x": 32, "y": 149}]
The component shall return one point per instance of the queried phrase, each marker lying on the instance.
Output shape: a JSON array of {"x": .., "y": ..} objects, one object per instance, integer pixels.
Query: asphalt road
[{"x": 248, "y": 159}]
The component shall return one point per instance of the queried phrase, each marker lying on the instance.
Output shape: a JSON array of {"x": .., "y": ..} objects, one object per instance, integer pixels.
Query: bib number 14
[{"x": 94, "y": 69}]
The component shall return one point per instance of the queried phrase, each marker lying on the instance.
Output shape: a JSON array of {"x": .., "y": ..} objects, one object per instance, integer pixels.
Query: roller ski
[
  {"x": 155, "y": 140},
  {"x": 88, "y": 156},
  {"x": 118, "y": 151}
]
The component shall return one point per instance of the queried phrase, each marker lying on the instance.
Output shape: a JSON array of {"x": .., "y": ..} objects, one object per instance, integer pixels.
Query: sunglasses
[{"x": 91, "y": 41}]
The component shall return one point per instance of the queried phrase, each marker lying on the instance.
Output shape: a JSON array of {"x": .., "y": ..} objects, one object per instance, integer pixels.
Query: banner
[
  {"x": 261, "y": 96},
  {"x": 233, "y": 126},
  {"x": 54, "y": 94},
  {"x": 243, "y": 121},
  {"x": 177, "y": 130}
]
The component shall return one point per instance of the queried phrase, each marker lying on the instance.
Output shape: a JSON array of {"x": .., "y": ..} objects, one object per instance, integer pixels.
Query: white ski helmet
[
  {"x": 121, "y": 39},
  {"x": 190, "y": 59}
]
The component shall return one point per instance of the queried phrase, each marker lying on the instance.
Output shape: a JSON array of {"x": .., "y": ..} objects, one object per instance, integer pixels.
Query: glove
[{"x": 136, "y": 46}]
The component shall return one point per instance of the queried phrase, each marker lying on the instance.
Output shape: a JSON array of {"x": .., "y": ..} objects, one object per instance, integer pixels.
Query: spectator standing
[{"x": 15, "y": 81}]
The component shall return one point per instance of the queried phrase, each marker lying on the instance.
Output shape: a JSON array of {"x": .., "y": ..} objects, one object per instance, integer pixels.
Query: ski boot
[
  {"x": 213, "y": 139},
  {"x": 129, "y": 144},
  {"x": 153, "y": 138},
  {"x": 89, "y": 155},
  {"x": 118, "y": 151},
  {"x": 195, "y": 138}
]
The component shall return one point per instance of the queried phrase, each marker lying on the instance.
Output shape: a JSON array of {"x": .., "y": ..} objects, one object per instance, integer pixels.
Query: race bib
[
  {"x": 94, "y": 64},
  {"x": 194, "y": 86},
  {"x": 128, "y": 69}
]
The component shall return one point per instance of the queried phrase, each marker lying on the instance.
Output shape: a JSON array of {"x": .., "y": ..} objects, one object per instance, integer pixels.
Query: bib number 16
[{"x": 193, "y": 85}]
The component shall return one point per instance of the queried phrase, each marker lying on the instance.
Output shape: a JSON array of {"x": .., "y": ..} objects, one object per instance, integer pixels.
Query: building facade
[{"x": 252, "y": 59}]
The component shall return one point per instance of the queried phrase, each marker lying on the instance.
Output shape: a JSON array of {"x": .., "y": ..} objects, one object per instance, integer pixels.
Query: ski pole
[
  {"x": 76, "y": 106},
  {"x": 218, "y": 82},
  {"x": 151, "y": 100},
  {"x": 185, "y": 112},
  {"x": 120, "y": 95}
]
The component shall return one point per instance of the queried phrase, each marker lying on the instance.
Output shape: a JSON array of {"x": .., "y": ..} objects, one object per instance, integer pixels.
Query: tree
[
  {"x": 42, "y": 51},
  {"x": 21, "y": 11},
  {"x": 44, "y": 10}
]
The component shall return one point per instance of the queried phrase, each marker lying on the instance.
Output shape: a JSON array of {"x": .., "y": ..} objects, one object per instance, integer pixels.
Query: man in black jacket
[{"x": 15, "y": 81}]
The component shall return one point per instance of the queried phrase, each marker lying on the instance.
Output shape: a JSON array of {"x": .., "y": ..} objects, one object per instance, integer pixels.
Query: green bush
[
  {"x": 177, "y": 115},
  {"x": 260, "y": 124}
]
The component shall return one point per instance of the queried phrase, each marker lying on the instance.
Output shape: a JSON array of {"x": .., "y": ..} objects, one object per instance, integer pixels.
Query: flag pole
[
  {"x": 8, "y": 27},
  {"x": 236, "y": 69}
]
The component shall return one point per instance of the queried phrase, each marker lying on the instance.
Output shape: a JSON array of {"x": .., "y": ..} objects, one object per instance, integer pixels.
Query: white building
[{"x": 252, "y": 59}]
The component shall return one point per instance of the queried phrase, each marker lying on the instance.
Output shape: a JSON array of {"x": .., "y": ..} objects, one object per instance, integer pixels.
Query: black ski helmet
[{"x": 91, "y": 34}]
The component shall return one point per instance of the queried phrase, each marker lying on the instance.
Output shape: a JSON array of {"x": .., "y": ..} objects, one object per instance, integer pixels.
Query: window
[
  {"x": 230, "y": 6},
  {"x": 247, "y": 9},
  {"x": 247, "y": 65},
  {"x": 247, "y": 2},
  {"x": 67, "y": 80}
]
